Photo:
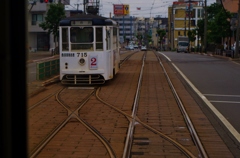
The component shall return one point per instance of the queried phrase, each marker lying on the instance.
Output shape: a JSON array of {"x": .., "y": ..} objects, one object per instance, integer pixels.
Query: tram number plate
[
  {"x": 81, "y": 54},
  {"x": 93, "y": 62}
]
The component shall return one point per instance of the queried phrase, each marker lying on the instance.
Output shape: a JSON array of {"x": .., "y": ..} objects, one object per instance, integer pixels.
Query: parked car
[{"x": 143, "y": 48}]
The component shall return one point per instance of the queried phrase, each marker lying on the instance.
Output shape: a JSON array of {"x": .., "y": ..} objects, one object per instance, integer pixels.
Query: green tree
[
  {"x": 200, "y": 30},
  {"x": 192, "y": 36},
  {"x": 149, "y": 39},
  {"x": 161, "y": 33},
  {"x": 55, "y": 13},
  {"x": 218, "y": 23}
]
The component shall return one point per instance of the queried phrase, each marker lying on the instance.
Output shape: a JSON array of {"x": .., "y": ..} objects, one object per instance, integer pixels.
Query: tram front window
[
  {"x": 81, "y": 38},
  {"x": 99, "y": 38}
]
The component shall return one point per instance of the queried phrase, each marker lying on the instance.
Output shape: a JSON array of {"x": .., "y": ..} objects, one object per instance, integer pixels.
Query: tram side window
[
  {"x": 65, "y": 39},
  {"x": 108, "y": 39},
  {"x": 81, "y": 38},
  {"x": 114, "y": 38},
  {"x": 99, "y": 39}
]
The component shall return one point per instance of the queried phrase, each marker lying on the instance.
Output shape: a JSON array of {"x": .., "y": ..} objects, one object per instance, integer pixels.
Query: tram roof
[{"x": 96, "y": 20}]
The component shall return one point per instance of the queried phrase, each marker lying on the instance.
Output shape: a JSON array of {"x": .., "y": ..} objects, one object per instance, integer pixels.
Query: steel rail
[
  {"x": 184, "y": 112},
  {"x": 128, "y": 142},
  {"x": 44, "y": 99},
  {"x": 72, "y": 114},
  {"x": 164, "y": 136}
]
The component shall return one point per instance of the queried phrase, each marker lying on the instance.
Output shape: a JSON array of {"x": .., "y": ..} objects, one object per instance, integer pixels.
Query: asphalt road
[{"x": 216, "y": 81}]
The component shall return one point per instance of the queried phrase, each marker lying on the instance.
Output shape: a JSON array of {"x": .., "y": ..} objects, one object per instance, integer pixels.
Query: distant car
[
  {"x": 127, "y": 47},
  {"x": 136, "y": 46},
  {"x": 143, "y": 48},
  {"x": 131, "y": 47}
]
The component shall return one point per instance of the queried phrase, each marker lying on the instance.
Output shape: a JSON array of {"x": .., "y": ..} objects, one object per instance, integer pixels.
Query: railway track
[
  {"x": 135, "y": 120},
  {"x": 138, "y": 114}
]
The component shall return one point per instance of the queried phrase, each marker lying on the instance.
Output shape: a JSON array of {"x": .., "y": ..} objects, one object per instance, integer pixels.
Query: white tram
[{"x": 88, "y": 50}]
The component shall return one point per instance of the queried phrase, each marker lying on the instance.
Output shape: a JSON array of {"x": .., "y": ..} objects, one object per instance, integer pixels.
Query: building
[
  {"x": 183, "y": 16},
  {"x": 129, "y": 26},
  {"x": 230, "y": 5},
  {"x": 132, "y": 27},
  {"x": 39, "y": 39},
  {"x": 126, "y": 27}
]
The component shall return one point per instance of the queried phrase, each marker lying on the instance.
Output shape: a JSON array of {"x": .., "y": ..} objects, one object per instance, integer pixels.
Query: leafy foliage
[
  {"x": 200, "y": 29},
  {"x": 54, "y": 15},
  {"x": 161, "y": 33},
  {"x": 218, "y": 26}
]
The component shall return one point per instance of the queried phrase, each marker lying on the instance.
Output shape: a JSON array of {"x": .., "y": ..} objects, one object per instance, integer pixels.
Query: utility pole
[
  {"x": 32, "y": 4},
  {"x": 77, "y": 6},
  {"x": 205, "y": 27},
  {"x": 236, "y": 53},
  {"x": 84, "y": 6},
  {"x": 189, "y": 25},
  {"x": 172, "y": 26},
  {"x": 185, "y": 24}
]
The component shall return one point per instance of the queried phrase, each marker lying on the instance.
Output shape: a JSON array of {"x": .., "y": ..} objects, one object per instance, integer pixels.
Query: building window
[
  {"x": 193, "y": 23},
  {"x": 37, "y": 19},
  {"x": 200, "y": 13}
]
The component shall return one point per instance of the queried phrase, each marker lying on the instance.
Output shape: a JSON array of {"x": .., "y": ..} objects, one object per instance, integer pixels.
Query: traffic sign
[{"x": 126, "y": 9}]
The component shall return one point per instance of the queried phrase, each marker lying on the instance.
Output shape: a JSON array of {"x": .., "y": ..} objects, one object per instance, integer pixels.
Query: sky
[{"x": 148, "y": 8}]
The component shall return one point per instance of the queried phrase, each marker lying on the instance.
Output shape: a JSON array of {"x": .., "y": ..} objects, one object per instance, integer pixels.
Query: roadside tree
[
  {"x": 218, "y": 24},
  {"x": 55, "y": 13},
  {"x": 161, "y": 33}
]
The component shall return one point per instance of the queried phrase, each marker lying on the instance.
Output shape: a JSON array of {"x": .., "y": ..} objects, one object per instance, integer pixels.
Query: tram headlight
[{"x": 82, "y": 61}]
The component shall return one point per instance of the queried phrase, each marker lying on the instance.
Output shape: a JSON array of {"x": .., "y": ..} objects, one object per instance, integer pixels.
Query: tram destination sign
[{"x": 81, "y": 23}]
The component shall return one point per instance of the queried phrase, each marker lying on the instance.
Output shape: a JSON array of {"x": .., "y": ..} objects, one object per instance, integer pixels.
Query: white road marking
[
  {"x": 221, "y": 95},
  {"x": 231, "y": 102},
  {"x": 166, "y": 56},
  {"x": 217, "y": 113}
]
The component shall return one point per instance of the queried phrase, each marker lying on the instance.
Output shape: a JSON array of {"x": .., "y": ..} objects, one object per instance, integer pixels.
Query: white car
[
  {"x": 131, "y": 47},
  {"x": 143, "y": 48},
  {"x": 136, "y": 46}
]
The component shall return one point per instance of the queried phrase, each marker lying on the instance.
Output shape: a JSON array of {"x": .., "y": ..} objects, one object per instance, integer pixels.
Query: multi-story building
[
  {"x": 230, "y": 5},
  {"x": 126, "y": 27},
  {"x": 39, "y": 39},
  {"x": 183, "y": 16},
  {"x": 131, "y": 27}
]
